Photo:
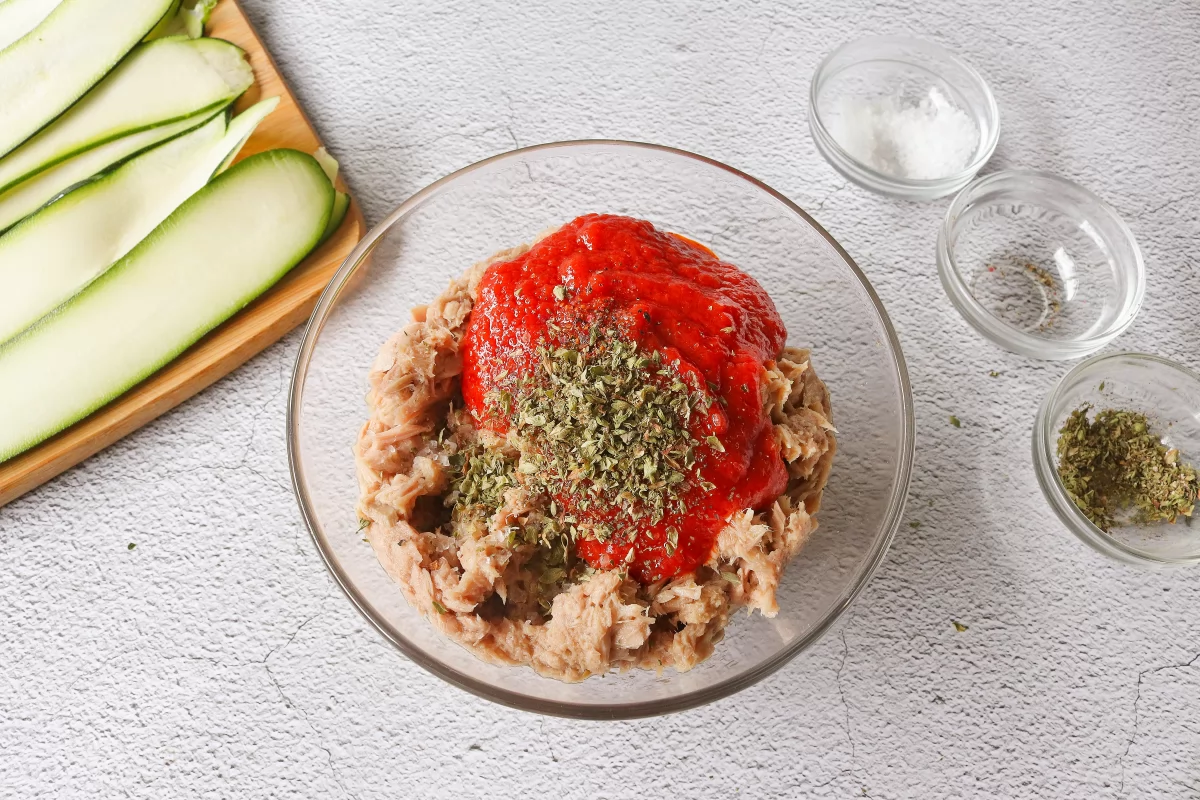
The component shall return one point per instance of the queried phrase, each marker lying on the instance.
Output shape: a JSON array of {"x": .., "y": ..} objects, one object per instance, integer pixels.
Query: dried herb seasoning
[
  {"x": 481, "y": 477},
  {"x": 1050, "y": 290},
  {"x": 599, "y": 425},
  {"x": 1117, "y": 470},
  {"x": 606, "y": 426},
  {"x": 1053, "y": 301}
]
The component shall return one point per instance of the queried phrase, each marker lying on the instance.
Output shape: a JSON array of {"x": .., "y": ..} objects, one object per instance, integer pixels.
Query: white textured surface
[{"x": 218, "y": 659}]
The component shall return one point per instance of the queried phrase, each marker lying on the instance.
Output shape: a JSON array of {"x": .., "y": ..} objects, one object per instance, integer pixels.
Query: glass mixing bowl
[{"x": 822, "y": 296}]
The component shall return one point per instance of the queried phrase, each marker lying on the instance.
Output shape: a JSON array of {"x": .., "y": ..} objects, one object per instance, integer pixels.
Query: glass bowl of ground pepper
[
  {"x": 822, "y": 298},
  {"x": 1040, "y": 265},
  {"x": 1116, "y": 449}
]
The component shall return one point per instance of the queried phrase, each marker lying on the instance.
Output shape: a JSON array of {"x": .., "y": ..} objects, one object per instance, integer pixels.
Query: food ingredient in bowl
[
  {"x": 1021, "y": 294},
  {"x": 924, "y": 140},
  {"x": 588, "y": 452},
  {"x": 1117, "y": 470},
  {"x": 679, "y": 438},
  {"x": 1050, "y": 290}
]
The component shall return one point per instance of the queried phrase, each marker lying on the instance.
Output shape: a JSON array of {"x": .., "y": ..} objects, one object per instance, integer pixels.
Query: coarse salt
[{"x": 930, "y": 139}]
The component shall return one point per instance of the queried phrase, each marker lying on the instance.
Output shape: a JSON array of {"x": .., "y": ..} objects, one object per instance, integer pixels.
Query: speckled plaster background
[{"x": 217, "y": 659}]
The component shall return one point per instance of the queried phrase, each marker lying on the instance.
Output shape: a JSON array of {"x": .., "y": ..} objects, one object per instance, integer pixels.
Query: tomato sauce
[{"x": 708, "y": 319}]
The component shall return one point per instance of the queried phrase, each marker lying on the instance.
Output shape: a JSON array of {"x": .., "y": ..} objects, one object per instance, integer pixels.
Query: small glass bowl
[
  {"x": 1040, "y": 265},
  {"x": 906, "y": 70},
  {"x": 1169, "y": 395}
]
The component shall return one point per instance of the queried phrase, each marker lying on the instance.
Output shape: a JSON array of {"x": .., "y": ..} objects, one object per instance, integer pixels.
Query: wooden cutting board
[{"x": 258, "y": 325}]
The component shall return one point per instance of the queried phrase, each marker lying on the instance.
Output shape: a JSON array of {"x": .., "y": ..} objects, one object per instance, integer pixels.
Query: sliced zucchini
[
  {"x": 55, "y": 253},
  {"x": 341, "y": 203},
  {"x": 161, "y": 82},
  {"x": 19, "y": 17},
  {"x": 194, "y": 16},
  {"x": 44, "y": 72},
  {"x": 188, "y": 19},
  {"x": 222, "y": 248},
  {"x": 28, "y": 196},
  {"x": 164, "y": 26},
  {"x": 328, "y": 163}
]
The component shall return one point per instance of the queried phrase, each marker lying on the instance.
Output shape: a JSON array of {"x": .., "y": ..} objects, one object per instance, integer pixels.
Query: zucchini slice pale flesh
[
  {"x": 164, "y": 26},
  {"x": 55, "y": 253},
  {"x": 222, "y": 248},
  {"x": 161, "y": 82},
  {"x": 50, "y": 68},
  {"x": 30, "y": 195},
  {"x": 19, "y": 17}
]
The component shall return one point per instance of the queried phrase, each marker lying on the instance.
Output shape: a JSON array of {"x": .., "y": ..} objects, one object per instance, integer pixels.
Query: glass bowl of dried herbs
[
  {"x": 824, "y": 300},
  {"x": 1116, "y": 449}
]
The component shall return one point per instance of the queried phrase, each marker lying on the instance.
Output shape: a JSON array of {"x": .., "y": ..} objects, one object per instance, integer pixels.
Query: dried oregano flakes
[
  {"x": 1116, "y": 470},
  {"x": 598, "y": 423}
]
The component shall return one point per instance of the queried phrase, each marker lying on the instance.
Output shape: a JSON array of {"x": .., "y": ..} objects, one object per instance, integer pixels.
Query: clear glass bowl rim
[
  {"x": 1002, "y": 333},
  {"x": 1044, "y": 459},
  {"x": 883, "y": 540},
  {"x": 934, "y": 186}
]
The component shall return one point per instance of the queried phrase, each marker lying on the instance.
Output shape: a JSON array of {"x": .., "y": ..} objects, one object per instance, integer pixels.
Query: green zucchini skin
[
  {"x": 46, "y": 71},
  {"x": 341, "y": 204},
  {"x": 222, "y": 248}
]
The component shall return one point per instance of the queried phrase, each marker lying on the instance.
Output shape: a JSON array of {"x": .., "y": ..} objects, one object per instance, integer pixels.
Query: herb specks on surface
[
  {"x": 958, "y": 626},
  {"x": 955, "y": 421}
]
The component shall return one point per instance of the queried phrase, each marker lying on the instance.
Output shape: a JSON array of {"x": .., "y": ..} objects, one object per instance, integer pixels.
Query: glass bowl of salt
[{"x": 902, "y": 116}]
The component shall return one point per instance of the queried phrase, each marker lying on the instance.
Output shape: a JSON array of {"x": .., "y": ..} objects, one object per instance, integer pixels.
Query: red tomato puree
[{"x": 707, "y": 318}]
